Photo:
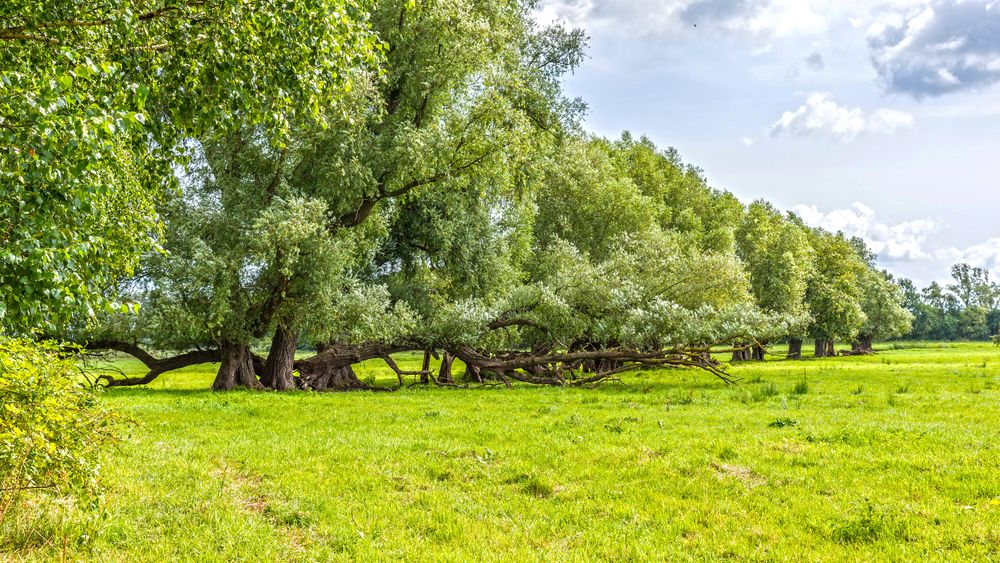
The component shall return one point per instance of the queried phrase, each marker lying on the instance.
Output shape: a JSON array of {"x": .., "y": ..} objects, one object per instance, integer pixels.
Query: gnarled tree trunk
[
  {"x": 864, "y": 344},
  {"x": 444, "y": 376},
  {"x": 331, "y": 369},
  {"x": 795, "y": 349},
  {"x": 820, "y": 351},
  {"x": 237, "y": 369},
  {"x": 278, "y": 369}
]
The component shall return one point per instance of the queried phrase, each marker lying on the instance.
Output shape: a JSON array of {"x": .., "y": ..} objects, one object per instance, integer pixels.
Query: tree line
[
  {"x": 196, "y": 182},
  {"x": 966, "y": 309}
]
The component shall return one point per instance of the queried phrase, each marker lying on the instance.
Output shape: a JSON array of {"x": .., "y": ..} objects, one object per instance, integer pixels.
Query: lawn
[{"x": 895, "y": 456}]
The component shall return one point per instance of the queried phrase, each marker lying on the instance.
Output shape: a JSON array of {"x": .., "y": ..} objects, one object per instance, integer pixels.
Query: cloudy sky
[{"x": 880, "y": 118}]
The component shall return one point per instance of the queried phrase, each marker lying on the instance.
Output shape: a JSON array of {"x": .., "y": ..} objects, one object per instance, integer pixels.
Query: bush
[{"x": 52, "y": 431}]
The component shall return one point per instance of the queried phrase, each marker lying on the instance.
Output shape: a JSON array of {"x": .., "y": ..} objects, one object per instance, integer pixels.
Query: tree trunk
[
  {"x": 338, "y": 379},
  {"x": 444, "y": 376},
  {"x": 795, "y": 349},
  {"x": 759, "y": 352},
  {"x": 472, "y": 374},
  {"x": 830, "y": 348},
  {"x": 425, "y": 368},
  {"x": 236, "y": 369},
  {"x": 820, "y": 348},
  {"x": 331, "y": 370},
  {"x": 280, "y": 363},
  {"x": 863, "y": 344}
]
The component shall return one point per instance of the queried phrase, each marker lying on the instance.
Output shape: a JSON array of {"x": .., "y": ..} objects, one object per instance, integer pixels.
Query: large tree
[
  {"x": 467, "y": 88},
  {"x": 779, "y": 261},
  {"x": 97, "y": 97}
]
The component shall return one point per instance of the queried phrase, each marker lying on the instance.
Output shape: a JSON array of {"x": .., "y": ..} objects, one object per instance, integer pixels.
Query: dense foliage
[
  {"x": 52, "y": 430},
  {"x": 410, "y": 178},
  {"x": 96, "y": 98},
  {"x": 966, "y": 309}
]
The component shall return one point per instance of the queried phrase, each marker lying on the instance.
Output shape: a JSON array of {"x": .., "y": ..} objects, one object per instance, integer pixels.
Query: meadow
[{"x": 888, "y": 457}]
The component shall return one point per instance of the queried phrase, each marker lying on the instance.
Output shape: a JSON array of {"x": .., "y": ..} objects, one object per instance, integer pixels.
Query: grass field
[{"x": 891, "y": 457}]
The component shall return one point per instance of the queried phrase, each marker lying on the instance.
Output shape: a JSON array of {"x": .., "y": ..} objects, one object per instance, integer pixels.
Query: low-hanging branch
[
  {"x": 156, "y": 366},
  {"x": 560, "y": 368}
]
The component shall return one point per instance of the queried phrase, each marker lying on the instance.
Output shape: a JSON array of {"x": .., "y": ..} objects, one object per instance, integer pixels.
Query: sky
[{"x": 878, "y": 118}]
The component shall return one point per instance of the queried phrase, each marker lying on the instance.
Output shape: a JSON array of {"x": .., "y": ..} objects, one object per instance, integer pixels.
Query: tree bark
[
  {"x": 236, "y": 369},
  {"x": 864, "y": 344},
  {"x": 331, "y": 370},
  {"x": 795, "y": 349},
  {"x": 280, "y": 364},
  {"x": 821, "y": 348},
  {"x": 425, "y": 377},
  {"x": 830, "y": 348},
  {"x": 472, "y": 373},
  {"x": 759, "y": 352},
  {"x": 444, "y": 375}
]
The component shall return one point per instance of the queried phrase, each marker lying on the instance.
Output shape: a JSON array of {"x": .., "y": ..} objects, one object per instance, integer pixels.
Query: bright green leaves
[
  {"x": 94, "y": 100},
  {"x": 52, "y": 431}
]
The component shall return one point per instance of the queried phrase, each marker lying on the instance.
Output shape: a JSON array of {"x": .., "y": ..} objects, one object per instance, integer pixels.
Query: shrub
[{"x": 52, "y": 430}]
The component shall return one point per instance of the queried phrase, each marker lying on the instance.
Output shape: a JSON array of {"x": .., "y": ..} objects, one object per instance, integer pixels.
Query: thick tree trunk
[
  {"x": 821, "y": 348},
  {"x": 331, "y": 370},
  {"x": 236, "y": 369},
  {"x": 758, "y": 352},
  {"x": 830, "y": 348},
  {"x": 278, "y": 370},
  {"x": 795, "y": 349},
  {"x": 340, "y": 378},
  {"x": 863, "y": 344},
  {"x": 444, "y": 375}
]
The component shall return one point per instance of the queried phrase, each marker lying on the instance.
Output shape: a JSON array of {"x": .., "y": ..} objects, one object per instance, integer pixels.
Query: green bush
[{"x": 52, "y": 430}]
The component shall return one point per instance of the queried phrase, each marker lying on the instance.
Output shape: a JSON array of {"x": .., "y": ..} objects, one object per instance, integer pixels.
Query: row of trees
[
  {"x": 409, "y": 178},
  {"x": 966, "y": 309}
]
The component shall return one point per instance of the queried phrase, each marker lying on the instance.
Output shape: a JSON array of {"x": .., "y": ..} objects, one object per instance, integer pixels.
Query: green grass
[{"x": 889, "y": 457}]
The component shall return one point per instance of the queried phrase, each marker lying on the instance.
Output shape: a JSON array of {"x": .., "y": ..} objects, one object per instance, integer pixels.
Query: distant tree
[{"x": 884, "y": 305}]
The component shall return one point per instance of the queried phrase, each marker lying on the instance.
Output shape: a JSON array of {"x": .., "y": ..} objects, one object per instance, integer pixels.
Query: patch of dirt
[{"x": 742, "y": 474}]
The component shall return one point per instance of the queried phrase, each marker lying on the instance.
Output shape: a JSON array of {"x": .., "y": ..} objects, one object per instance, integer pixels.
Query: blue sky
[{"x": 878, "y": 118}]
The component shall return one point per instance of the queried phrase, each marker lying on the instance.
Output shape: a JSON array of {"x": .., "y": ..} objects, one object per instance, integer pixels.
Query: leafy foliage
[{"x": 52, "y": 430}]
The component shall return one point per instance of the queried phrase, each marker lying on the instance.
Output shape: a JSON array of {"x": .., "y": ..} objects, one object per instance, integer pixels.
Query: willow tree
[
  {"x": 885, "y": 314},
  {"x": 779, "y": 260},
  {"x": 834, "y": 291},
  {"x": 466, "y": 88},
  {"x": 96, "y": 97}
]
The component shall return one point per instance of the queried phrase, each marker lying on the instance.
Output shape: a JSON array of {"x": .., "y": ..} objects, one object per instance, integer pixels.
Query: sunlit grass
[{"x": 893, "y": 456}]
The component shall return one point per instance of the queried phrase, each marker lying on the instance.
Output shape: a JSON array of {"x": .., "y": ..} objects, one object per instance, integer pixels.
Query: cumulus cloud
[
  {"x": 985, "y": 255},
  {"x": 947, "y": 46},
  {"x": 822, "y": 115},
  {"x": 893, "y": 242}
]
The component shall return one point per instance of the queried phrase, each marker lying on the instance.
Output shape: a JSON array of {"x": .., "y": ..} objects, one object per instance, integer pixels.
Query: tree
[
  {"x": 466, "y": 88},
  {"x": 885, "y": 313},
  {"x": 778, "y": 258},
  {"x": 97, "y": 98},
  {"x": 834, "y": 291}
]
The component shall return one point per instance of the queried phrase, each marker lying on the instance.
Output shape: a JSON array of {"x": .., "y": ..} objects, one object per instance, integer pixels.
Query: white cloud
[
  {"x": 893, "y": 242},
  {"x": 985, "y": 255},
  {"x": 821, "y": 115},
  {"x": 946, "y": 46}
]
